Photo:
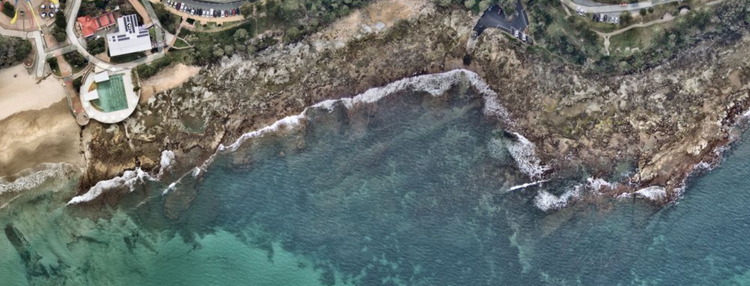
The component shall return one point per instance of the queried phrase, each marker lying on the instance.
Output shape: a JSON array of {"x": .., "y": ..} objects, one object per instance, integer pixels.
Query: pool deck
[{"x": 115, "y": 116}]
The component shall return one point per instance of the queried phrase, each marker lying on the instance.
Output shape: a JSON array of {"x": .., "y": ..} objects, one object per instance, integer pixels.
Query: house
[
  {"x": 89, "y": 25},
  {"x": 129, "y": 38}
]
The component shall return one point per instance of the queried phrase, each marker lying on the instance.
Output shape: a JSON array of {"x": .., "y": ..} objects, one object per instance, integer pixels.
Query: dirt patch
[
  {"x": 168, "y": 78},
  {"x": 373, "y": 18}
]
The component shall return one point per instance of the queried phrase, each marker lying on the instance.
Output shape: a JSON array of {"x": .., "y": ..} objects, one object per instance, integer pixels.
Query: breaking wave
[
  {"x": 434, "y": 84},
  {"x": 524, "y": 153},
  {"x": 546, "y": 201},
  {"x": 128, "y": 179},
  {"x": 34, "y": 177}
]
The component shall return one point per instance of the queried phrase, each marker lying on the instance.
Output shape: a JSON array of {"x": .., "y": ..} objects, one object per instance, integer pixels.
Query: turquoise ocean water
[{"x": 411, "y": 190}]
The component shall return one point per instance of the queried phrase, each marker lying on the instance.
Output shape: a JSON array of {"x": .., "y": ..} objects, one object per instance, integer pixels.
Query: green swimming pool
[{"x": 111, "y": 94}]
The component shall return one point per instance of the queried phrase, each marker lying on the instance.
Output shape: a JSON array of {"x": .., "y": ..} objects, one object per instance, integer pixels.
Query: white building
[{"x": 129, "y": 38}]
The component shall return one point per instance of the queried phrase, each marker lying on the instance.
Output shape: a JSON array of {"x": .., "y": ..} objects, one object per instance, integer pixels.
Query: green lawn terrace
[{"x": 109, "y": 97}]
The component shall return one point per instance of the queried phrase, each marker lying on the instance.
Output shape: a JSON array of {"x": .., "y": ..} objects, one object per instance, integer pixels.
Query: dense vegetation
[
  {"x": 58, "y": 31},
  {"x": 75, "y": 60},
  {"x": 573, "y": 39},
  {"x": 477, "y": 6},
  {"x": 149, "y": 70},
  {"x": 297, "y": 17},
  {"x": 9, "y": 10},
  {"x": 96, "y": 46},
  {"x": 168, "y": 21},
  {"x": 97, "y": 7},
  {"x": 13, "y": 50},
  {"x": 53, "y": 64}
]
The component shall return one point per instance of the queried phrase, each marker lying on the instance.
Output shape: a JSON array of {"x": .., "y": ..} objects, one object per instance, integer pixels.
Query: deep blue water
[{"x": 411, "y": 190}]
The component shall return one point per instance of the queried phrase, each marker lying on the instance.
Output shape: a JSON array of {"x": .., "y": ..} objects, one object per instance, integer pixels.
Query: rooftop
[
  {"x": 129, "y": 38},
  {"x": 89, "y": 25}
]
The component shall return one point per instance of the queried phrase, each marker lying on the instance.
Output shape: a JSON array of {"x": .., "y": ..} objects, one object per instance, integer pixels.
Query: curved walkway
[
  {"x": 588, "y": 8},
  {"x": 667, "y": 17}
]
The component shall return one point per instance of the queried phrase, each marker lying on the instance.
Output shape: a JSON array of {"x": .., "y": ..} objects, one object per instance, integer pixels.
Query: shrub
[{"x": 9, "y": 10}]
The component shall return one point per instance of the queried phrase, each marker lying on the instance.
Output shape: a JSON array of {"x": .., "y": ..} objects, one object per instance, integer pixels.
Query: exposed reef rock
[{"x": 661, "y": 122}]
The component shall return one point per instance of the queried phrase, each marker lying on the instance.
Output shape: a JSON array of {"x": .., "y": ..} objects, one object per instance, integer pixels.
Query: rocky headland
[{"x": 660, "y": 123}]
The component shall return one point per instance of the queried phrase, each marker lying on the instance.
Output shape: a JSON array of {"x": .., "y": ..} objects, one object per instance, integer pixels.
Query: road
[
  {"x": 210, "y": 5},
  {"x": 74, "y": 40},
  {"x": 494, "y": 18},
  {"x": 597, "y": 8}
]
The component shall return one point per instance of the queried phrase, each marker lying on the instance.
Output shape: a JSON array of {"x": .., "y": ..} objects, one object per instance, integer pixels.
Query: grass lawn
[
  {"x": 636, "y": 38},
  {"x": 127, "y": 58},
  {"x": 179, "y": 43}
]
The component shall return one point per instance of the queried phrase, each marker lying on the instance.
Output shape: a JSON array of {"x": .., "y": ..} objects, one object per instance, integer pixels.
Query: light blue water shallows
[{"x": 407, "y": 191}]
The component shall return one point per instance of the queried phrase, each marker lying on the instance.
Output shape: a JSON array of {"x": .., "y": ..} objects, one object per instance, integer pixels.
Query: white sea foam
[
  {"x": 434, "y": 84},
  {"x": 523, "y": 186},
  {"x": 524, "y": 153},
  {"x": 654, "y": 193},
  {"x": 167, "y": 158},
  {"x": 546, "y": 201},
  {"x": 598, "y": 183},
  {"x": 34, "y": 177},
  {"x": 289, "y": 121},
  {"x": 128, "y": 179}
]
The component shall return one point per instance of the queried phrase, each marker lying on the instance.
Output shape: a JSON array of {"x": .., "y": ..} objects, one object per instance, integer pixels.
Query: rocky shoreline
[{"x": 661, "y": 123}]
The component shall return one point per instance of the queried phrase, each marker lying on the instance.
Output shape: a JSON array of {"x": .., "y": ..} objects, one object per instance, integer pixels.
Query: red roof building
[{"x": 90, "y": 25}]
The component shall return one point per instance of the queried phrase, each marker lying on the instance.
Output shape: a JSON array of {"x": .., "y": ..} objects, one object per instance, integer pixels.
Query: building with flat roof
[
  {"x": 89, "y": 25},
  {"x": 129, "y": 38}
]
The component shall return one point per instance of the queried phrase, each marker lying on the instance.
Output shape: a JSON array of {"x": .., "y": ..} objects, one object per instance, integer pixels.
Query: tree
[
  {"x": 9, "y": 10},
  {"x": 228, "y": 50},
  {"x": 443, "y": 3},
  {"x": 642, "y": 12},
  {"x": 53, "y": 64},
  {"x": 240, "y": 35},
  {"x": 77, "y": 83},
  {"x": 59, "y": 34},
  {"x": 247, "y": 9},
  {"x": 96, "y": 46},
  {"x": 469, "y": 4},
  {"x": 292, "y": 35},
  {"x": 508, "y": 6},
  {"x": 218, "y": 52},
  {"x": 626, "y": 18},
  {"x": 60, "y": 20},
  {"x": 484, "y": 4}
]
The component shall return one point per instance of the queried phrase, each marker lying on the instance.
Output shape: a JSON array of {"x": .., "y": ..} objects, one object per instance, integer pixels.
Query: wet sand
[
  {"x": 34, "y": 137},
  {"x": 19, "y": 91},
  {"x": 168, "y": 78}
]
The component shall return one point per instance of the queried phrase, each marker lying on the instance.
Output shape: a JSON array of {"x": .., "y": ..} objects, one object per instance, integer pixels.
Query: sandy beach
[
  {"x": 34, "y": 137},
  {"x": 19, "y": 91},
  {"x": 168, "y": 78}
]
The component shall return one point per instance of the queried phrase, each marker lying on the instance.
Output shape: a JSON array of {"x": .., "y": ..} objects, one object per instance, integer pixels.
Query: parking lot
[{"x": 205, "y": 9}]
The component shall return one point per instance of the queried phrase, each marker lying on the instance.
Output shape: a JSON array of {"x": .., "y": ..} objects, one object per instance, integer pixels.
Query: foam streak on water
[{"x": 128, "y": 179}]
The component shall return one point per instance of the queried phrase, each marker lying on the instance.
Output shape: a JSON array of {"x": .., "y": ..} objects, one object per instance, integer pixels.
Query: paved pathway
[
  {"x": 590, "y": 7},
  {"x": 667, "y": 17},
  {"x": 40, "y": 56}
]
